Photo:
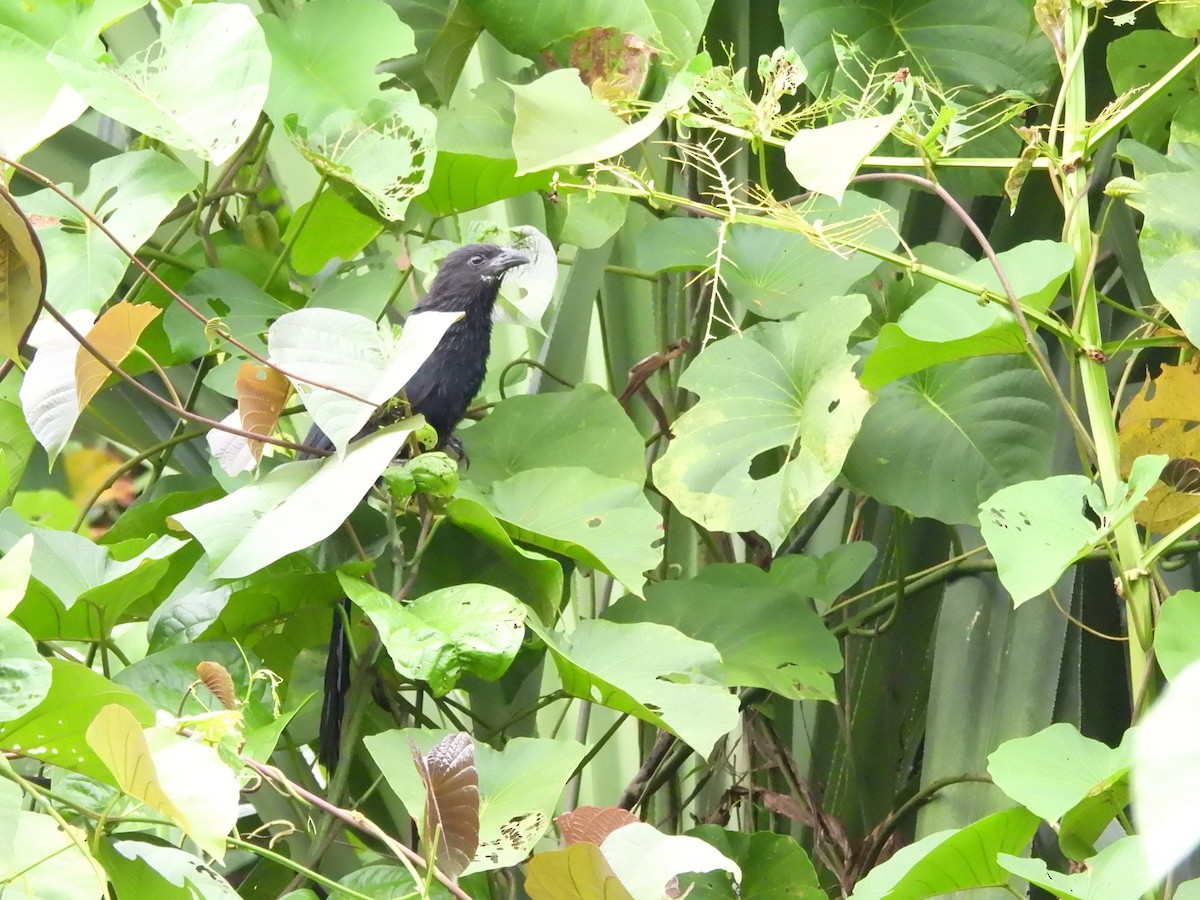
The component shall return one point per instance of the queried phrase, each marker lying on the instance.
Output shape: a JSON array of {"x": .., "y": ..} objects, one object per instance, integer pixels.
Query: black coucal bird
[{"x": 467, "y": 282}]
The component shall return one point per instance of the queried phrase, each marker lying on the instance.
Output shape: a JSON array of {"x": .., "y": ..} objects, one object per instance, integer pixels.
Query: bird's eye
[{"x": 476, "y": 260}]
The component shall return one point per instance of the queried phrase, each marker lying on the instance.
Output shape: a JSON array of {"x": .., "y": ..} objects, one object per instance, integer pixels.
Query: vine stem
[
  {"x": 1014, "y": 304},
  {"x": 359, "y": 822},
  {"x": 1077, "y": 233}
]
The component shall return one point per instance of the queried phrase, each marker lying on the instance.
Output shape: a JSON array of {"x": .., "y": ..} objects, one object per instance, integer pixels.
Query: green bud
[
  {"x": 400, "y": 483},
  {"x": 426, "y": 437}
]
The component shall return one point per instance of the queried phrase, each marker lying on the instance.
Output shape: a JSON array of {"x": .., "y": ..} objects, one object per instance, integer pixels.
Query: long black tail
[
  {"x": 337, "y": 684},
  {"x": 337, "y": 665}
]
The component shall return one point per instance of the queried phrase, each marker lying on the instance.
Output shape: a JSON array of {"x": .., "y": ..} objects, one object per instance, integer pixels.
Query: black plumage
[{"x": 440, "y": 390}]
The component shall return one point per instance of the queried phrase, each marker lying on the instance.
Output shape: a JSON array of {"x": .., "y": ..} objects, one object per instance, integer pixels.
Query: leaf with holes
[
  {"x": 779, "y": 408},
  {"x": 1036, "y": 529},
  {"x": 385, "y": 150},
  {"x": 200, "y": 88},
  {"x": 519, "y": 787},
  {"x": 1163, "y": 418},
  {"x": 53, "y": 732},
  {"x": 441, "y": 636},
  {"x": 451, "y": 800}
]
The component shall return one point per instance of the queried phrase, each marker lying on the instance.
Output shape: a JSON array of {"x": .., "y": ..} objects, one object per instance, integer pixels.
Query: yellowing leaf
[
  {"x": 579, "y": 872},
  {"x": 86, "y": 469},
  {"x": 22, "y": 275},
  {"x": 262, "y": 393},
  {"x": 1165, "y": 418},
  {"x": 183, "y": 779},
  {"x": 115, "y": 334},
  {"x": 117, "y": 738}
]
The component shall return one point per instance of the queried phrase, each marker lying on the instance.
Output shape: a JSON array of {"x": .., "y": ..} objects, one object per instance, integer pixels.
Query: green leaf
[
  {"x": 45, "y": 104},
  {"x": 604, "y": 523},
  {"x": 15, "y": 569},
  {"x": 131, "y": 194},
  {"x": 1177, "y": 634},
  {"x": 519, "y": 787},
  {"x": 779, "y": 388},
  {"x": 947, "y": 323},
  {"x": 1118, "y": 872},
  {"x": 1036, "y": 529},
  {"x": 825, "y": 159},
  {"x": 86, "y": 587},
  {"x": 324, "y": 56},
  {"x": 1006, "y": 50},
  {"x": 199, "y": 88},
  {"x": 475, "y": 165},
  {"x": 472, "y": 629},
  {"x": 939, "y": 442},
  {"x": 645, "y": 859},
  {"x": 333, "y": 230},
  {"x": 773, "y": 868},
  {"x": 559, "y": 123},
  {"x": 24, "y": 675},
  {"x": 473, "y": 546},
  {"x": 244, "y": 308},
  {"x": 142, "y": 869},
  {"x": 1137, "y": 60},
  {"x": 766, "y": 634},
  {"x": 652, "y": 672},
  {"x": 16, "y": 445},
  {"x": 1055, "y": 770},
  {"x": 352, "y": 354},
  {"x": 40, "y": 861},
  {"x": 168, "y": 679},
  {"x": 1166, "y": 774},
  {"x": 776, "y": 273},
  {"x": 584, "y": 427},
  {"x": 381, "y": 880},
  {"x": 53, "y": 732},
  {"x": 292, "y": 507},
  {"x": 951, "y": 860}
]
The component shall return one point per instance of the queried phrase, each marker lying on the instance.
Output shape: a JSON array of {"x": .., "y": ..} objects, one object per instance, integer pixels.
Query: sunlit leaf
[
  {"x": 131, "y": 193},
  {"x": 649, "y": 671},
  {"x": 24, "y": 675},
  {"x": 350, "y": 352},
  {"x": 580, "y": 872},
  {"x": 292, "y": 507},
  {"x": 15, "y": 569},
  {"x": 200, "y": 88},
  {"x": 1036, "y": 529},
  {"x": 781, "y": 397},
  {"x": 53, "y": 732}
]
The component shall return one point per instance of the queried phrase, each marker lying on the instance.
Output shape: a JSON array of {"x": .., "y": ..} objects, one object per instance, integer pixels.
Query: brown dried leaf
[
  {"x": 592, "y": 823},
  {"x": 451, "y": 800},
  {"x": 1165, "y": 418},
  {"x": 22, "y": 276},
  {"x": 218, "y": 680},
  {"x": 115, "y": 334},
  {"x": 262, "y": 393}
]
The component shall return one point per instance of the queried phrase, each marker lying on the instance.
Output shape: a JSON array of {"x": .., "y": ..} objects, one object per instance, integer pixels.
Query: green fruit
[
  {"x": 436, "y": 474},
  {"x": 400, "y": 483},
  {"x": 426, "y": 436}
]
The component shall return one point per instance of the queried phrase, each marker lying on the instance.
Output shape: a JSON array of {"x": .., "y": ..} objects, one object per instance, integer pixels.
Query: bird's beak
[{"x": 507, "y": 259}]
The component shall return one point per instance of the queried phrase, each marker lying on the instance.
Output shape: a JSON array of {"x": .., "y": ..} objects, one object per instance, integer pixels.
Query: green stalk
[{"x": 1077, "y": 233}]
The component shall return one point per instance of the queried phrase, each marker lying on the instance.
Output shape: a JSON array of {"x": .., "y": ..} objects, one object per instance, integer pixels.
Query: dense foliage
[{"x": 824, "y": 527}]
